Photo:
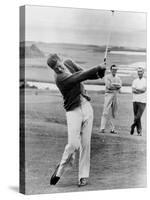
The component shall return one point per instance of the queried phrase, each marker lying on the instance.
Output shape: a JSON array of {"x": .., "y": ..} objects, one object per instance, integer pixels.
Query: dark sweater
[{"x": 70, "y": 85}]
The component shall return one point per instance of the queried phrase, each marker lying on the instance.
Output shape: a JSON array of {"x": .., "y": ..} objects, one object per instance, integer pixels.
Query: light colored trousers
[
  {"x": 110, "y": 110},
  {"x": 80, "y": 122}
]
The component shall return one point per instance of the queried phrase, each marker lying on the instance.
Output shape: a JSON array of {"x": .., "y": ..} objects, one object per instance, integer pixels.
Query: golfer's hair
[
  {"x": 52, "y": 60},
  {"x": 112, "y": 66}
]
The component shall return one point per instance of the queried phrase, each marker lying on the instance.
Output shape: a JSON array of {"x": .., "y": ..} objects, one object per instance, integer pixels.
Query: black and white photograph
[{"x": 83, "y": 95}]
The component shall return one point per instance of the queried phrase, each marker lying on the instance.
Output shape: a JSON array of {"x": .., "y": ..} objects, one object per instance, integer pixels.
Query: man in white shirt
[
  {"x": 139, "y": 100},
  {"x": 113, "y": 84}
]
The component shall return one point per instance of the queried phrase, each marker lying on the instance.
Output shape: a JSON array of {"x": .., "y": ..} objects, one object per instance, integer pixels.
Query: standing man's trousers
[
  {"x": 138, "y": 109},
  {"x": 80, "y": 122},
  {"x": 109, "y": 111}
]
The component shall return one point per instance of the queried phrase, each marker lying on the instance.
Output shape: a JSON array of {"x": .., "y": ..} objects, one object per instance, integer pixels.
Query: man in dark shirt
[{"x": 79, "y": 114}]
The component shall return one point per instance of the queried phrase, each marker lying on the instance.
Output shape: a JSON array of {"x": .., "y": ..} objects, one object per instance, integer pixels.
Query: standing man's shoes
[
  {"x": 54, "y": 179},
  {"x": 132, "y": 131},
  {"x": 139, "y": 134},
  {"x": 102, "y": 131},
  {"x": 83, "y": 182},
  {"x": 113, "y": 132}
]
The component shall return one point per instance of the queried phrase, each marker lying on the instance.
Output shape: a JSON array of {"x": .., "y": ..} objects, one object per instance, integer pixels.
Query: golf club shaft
[{"x": 109, "y": 36}]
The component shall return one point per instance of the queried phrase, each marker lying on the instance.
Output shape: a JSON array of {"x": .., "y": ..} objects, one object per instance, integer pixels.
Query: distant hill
[
  {"x": 31, "y": 51},
  {"x": 42, "y": 49},
  {"x": 96, "y": 48}
]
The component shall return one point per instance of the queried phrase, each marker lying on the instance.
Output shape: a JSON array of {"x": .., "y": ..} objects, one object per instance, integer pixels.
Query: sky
[{"x": 85, "y": 26}]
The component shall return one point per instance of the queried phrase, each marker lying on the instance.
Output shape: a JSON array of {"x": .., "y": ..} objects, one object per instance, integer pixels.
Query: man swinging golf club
[{"x": 79, "y": 114}]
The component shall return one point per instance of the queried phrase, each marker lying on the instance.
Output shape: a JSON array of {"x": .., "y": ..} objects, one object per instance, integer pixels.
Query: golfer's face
[
  {"x": 59, "y": 67},
  {"x": 114, "y": 71}
]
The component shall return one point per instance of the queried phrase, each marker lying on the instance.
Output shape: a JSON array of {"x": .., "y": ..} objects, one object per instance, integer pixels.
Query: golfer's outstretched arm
[
  {"x": 93, "y": 73},
  {"x": 72, "y": 66}
]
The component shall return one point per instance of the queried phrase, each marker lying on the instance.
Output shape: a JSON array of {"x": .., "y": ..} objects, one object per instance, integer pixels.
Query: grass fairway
[{"x": 117, "y": 161}]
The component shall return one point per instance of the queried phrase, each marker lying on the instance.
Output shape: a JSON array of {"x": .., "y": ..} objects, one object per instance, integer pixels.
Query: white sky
[{"x": 85, "y": 26}]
